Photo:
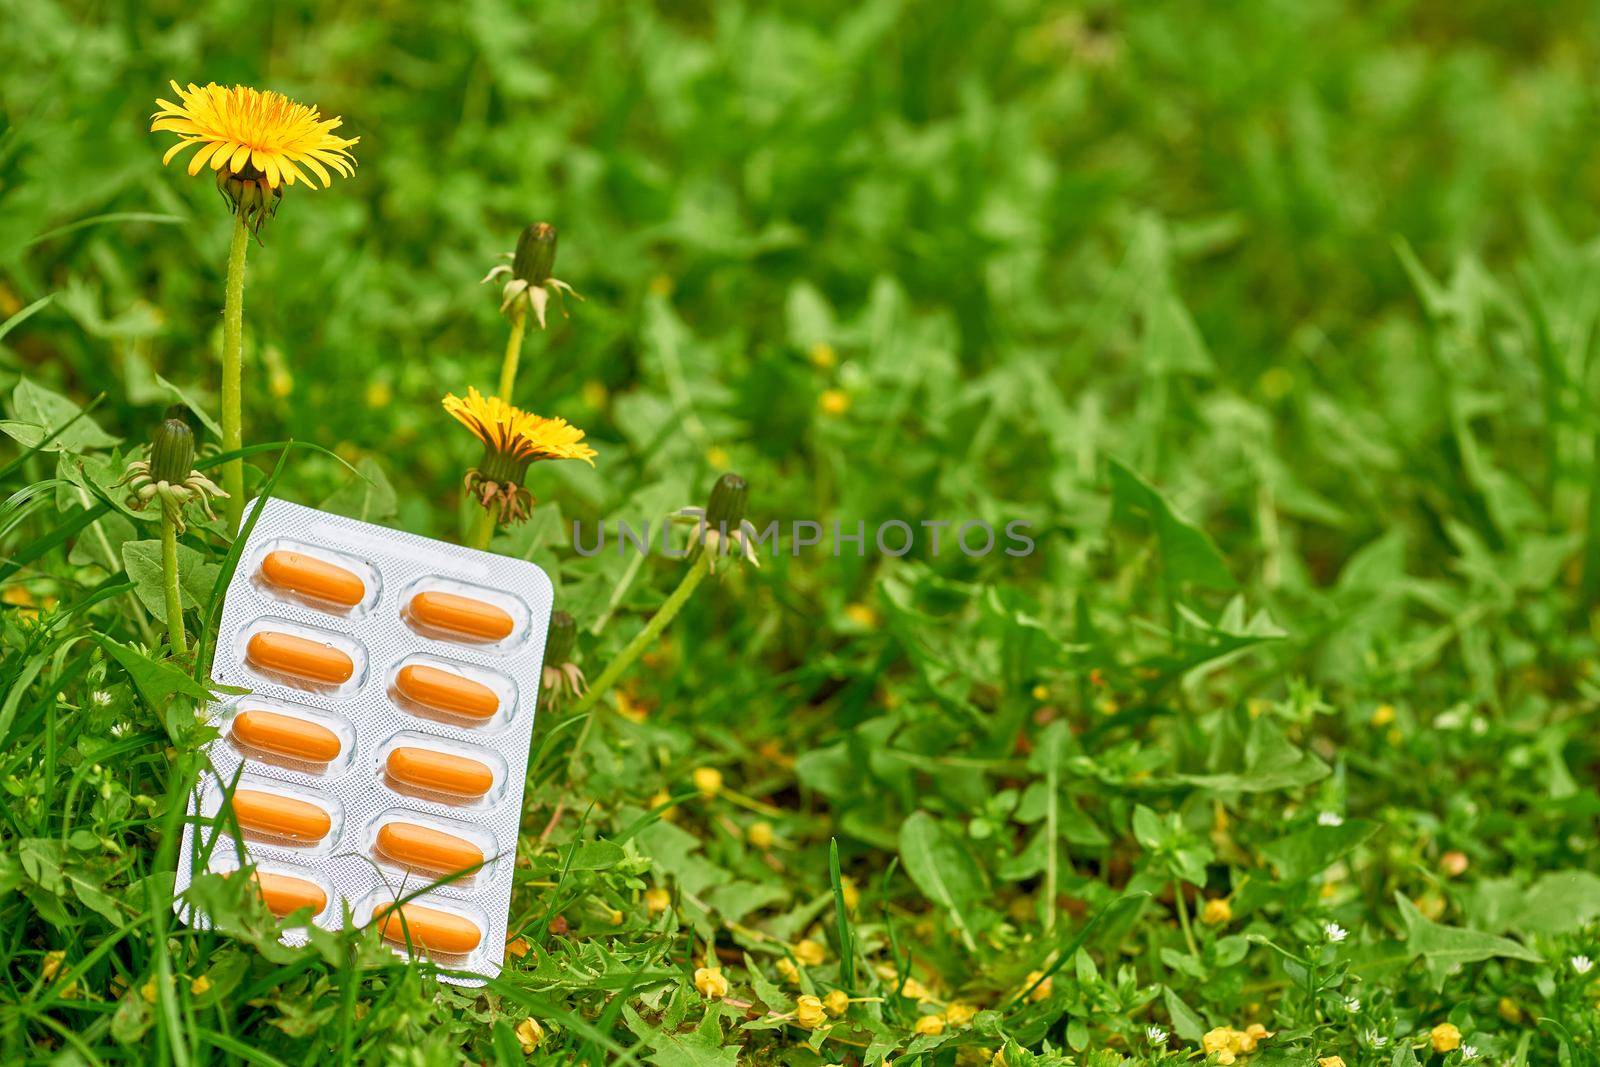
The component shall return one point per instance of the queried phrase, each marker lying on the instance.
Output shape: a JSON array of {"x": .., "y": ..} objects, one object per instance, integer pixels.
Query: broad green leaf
[
  {"x": 157, "y": 682},
  {"x": 1187, "y": 554},
  {"x": 1185, "y": 1023},
  {"x": 37, "y": 412},
  {"x": 367, "y": 495},
  {"x": 943, "y": 869},
  {"x": 1307, "y": 852},
  {"x": 195, "y": 576},
  {"x": 1444, "y": 948}
]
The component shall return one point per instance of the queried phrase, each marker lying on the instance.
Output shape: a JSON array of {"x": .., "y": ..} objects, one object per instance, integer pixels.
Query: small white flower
[
  {"x": 1155, "y": 1035},
  {"x": 1352, "y": 1004},
  {"x": 1334, "y": 932},
  {"x": 1581, "y": 964},
  {"x": 1330, "y": 818},
  {"x": 1469, "y": 1052},
  {"x": 119, "y": 729},
  {"x": 1376, "y": 1040},
  {"x": 100, "y": 698}
]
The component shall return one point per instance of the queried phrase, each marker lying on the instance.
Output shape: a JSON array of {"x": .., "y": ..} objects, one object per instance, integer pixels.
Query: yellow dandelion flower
[
  {"x": 512, "y": 439},
  {"x": 257, "y": 142}
]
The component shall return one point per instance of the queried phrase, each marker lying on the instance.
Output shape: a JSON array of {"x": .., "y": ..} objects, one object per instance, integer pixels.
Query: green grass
[{"x": 1276, "y": 320}]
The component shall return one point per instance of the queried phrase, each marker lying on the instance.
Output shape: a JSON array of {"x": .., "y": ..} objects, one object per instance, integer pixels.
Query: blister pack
[{"x": 382, "y": 747}]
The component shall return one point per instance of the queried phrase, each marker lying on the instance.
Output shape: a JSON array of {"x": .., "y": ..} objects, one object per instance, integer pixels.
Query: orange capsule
[
  {"x": 443, "y": 772},
  {"x": 461, "y": 615},
  {"x": 286, "y": 735},
  {"x": 312, "y": 577},
  {"x": 445, "y": 691},
  {"x": 284, "y": 893},
  {"x": 425, "y": 847},
  {"x": 316, "y": 660},
  {"x": 429, "y": 928},
  {"x": 280, "y": 816}
]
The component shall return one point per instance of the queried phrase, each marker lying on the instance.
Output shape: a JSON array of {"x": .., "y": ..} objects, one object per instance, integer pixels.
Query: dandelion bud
[
  {"x": 535, "y": 258},
  {"x": 562, "y": 638},
  {"x": 171, "y": 450},
  {"x": 725, "y": 510}
]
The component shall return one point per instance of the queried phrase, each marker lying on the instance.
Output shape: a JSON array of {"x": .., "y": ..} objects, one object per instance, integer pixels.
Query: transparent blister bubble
[{"x": 372, "y": 720}]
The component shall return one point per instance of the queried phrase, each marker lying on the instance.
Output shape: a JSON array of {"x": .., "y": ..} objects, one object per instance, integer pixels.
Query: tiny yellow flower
[
  {"x": 1042, "y": 990},
  {"x": 716, "y": 456},
  {"x": 1509, "y": 1010},
  {"x": 281, "y": 383},
  {"x": 848, "y": 890},
  {"x": 1041, "y": 692},
  {"x": 148, "y": 991},
  {"x": 517, "y": 946},
  {"x": 379, "y": 394},
  {"x": 1217, "y": 911},
  {"x": 789, "y": 971},
  {"x": 809, "y": 952},
  {"x": 912, "y": 989},
  {"x": 200, "y": 986},
  {"x": 1383, "y": 715},
  {"x": 1454, "y": 863},
  {"x": 657, "y": 900},
  {"x": 930, "y": 1024},
  {"x": 759, "y": 834},
  {"x": 1221, "y": 1043},
  {"x": 823, "y": 356},
  {"x": 711, "y": 983},
  {"x": 52, "y": 965},
  {"x": 661, "y": 798},
  {"x": 957, "y": 1013},
  {"x": 1246, "y": 1041},
  {"x": 1330, "y": 1061},
  {"x": 708, "y": 780},
  {"x": 834, "y": 401},
  {"x": 1445, "y": 1037},
  {"x": 837, "y": 1002},
  {"x": 809, "y": 1012},
  {"x": 529, "y": 1034},
  {"x": 863, "y": 615}
]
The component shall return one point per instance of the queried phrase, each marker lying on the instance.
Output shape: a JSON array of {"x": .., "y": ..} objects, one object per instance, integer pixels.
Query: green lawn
[{"x": 1272, "y": 322}]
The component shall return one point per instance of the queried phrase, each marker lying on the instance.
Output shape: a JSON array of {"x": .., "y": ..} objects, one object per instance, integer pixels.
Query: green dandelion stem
[
  {"x": 232, "y": 372},
  {"x": 169, "y": 577},
  {"x": 648, "y": 636},
  {"x": 508, "y": 366},
  {"x": 482, "y": 531}
]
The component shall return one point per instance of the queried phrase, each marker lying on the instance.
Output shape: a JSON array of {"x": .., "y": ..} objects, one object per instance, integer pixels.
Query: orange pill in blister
[
  {"x": 423, "y": 846},
  {"x": 443, "y": 772},
  {"x": 444, "y": 691},
  {"x": 461, "y": 615},
  {"x": 284, "y": 893},
  {"x": 313, "y": 577},
  {"x": 280, "y": 816},
  {"x": 286, "y": 735},
  {"x": 301, "y": 656},
  {"x": 429, "y": 928}
]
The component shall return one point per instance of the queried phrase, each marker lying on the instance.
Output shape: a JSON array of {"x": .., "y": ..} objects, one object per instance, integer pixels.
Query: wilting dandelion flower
[
  {"x": 561, "y": 676},
  {"x": 256, "y": 142},
  {"x": 1334, "y": 932},
  {"x": 512, "y": 439},
  {"x": 529, "y": 283},
  {"x": 720, "y": 527},
  {"x": 1581, "y": 964},
  {"x": 167, "y": 475}
]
